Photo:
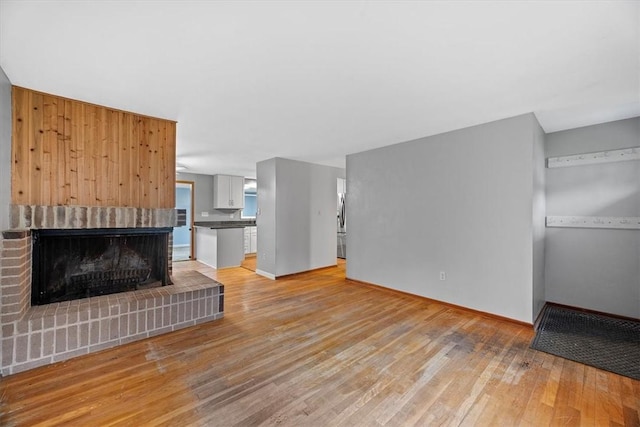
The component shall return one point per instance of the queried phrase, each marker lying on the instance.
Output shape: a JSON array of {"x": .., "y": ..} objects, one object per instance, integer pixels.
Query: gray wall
[
  {"x": 203, "y": 199},
  {"x": 473, "y": 218},
  {"x": 5, "y": 149},
  {"x": 5, "y": 155},
  {"x": 298, "y": 207},
  {"x": 597, "y": 269},
  {"x": 266, "y": 218}
]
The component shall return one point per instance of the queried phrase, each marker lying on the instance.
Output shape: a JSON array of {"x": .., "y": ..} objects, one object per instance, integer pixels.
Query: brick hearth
[{"x": 40, "y": 335}]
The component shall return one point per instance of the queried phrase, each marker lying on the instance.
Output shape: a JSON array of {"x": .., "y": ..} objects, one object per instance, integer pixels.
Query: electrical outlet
[
  {"x": 205, "y": 213},
  {"x": 443, "y": 275}
]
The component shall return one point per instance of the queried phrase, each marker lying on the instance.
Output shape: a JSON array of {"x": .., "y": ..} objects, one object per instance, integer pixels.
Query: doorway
[{"x": 183, "y": 232}]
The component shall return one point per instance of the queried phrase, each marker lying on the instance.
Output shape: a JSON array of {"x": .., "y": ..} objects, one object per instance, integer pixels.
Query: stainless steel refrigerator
[{"x": 342, "y": 226}]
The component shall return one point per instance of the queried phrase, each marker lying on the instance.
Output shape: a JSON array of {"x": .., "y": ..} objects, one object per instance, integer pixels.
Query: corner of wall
[
  {"x": 5, "y": 158},
  {"x": 5, "y": 149},
  {"x": 538, "y": 217}
]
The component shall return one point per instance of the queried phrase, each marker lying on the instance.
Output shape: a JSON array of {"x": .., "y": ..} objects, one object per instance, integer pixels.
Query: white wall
[
  {"x": 300, "y": 212},
  {"x": 459, "y": 202},
  {"x": 266, "y": 218},
  {"x": 5, "y": 150},
  {"x": 597, "y": 269}
]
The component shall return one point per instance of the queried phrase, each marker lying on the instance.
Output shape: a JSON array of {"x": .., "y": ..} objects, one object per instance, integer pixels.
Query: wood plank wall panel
[{"x": 68, "y": 152}]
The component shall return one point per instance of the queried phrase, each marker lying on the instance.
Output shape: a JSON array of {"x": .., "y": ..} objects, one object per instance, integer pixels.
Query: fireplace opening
[{"x": 75, "y": 264}]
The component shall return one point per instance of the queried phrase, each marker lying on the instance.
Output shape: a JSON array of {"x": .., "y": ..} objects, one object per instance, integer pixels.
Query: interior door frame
[{"x": 192, "y": 184}]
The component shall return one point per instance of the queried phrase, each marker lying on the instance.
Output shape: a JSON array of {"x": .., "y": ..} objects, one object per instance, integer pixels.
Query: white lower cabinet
[
  {"x": 250, "y": 240},
  {"x": 254, "y": 240}
]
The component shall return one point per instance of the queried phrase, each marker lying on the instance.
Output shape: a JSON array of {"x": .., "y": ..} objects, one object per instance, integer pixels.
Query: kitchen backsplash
[{"x": 217, "y": 215}]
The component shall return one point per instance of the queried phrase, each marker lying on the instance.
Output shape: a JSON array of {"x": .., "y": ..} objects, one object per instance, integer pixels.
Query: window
[{"x": 250, "y": 198}]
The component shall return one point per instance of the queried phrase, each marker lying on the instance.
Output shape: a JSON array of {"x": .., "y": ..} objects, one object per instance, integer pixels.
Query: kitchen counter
[
  {"x": 225, "y": 224},
  {"x": 220, "y": 247}
]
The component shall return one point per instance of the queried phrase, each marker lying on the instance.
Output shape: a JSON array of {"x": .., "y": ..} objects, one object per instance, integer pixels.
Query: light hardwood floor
[
  {"x": 317, "y": 350},
  {"x": 249, "y": 262}
]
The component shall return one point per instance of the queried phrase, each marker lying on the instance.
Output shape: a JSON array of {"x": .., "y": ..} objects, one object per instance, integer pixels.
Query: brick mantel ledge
[{"x": 38, "y": 216}]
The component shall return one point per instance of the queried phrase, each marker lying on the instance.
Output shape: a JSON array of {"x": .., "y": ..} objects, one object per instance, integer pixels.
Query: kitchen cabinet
[
  {"x": 254, "y": 239},
  {"x": 228, "y": 192},
  {"x": 250, "y": 240}
]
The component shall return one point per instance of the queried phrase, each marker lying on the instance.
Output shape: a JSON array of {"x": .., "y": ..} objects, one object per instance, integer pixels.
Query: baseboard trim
[
  {"x": 448, "y": 304},
  {"x": 203, "y": 262},
  {"x": 265, "y": 274},
  {"x": 587, "y": 310}
]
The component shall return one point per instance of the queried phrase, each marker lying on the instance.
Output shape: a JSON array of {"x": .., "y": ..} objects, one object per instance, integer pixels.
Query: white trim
[
  {"x": 622, "y": 155},
  {"x": 205, "y": 263},
  {"x": 265, "y": 274},
  {"x": 620, "y": 222}
]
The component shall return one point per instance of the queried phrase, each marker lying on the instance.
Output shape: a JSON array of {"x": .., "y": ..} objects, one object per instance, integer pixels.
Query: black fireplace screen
[{"x": 74, "y": 264}]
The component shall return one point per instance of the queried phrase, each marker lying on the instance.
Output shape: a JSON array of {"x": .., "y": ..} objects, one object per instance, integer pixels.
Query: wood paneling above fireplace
[{"x": 66, "y": 152}]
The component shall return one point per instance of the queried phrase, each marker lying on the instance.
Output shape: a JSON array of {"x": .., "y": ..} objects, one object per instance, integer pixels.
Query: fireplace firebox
[{"x": 81, "y": 263}]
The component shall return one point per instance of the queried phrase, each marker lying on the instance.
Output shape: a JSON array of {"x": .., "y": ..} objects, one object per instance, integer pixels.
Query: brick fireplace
[
  {"x": 80, "y": 169},
  {"x": 43, "y": 334}
]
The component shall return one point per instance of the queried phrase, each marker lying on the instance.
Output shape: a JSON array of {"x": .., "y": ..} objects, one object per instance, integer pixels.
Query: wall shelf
[
  {"x": 619, "y": 222},
  {"x": 621, "y": 155}
]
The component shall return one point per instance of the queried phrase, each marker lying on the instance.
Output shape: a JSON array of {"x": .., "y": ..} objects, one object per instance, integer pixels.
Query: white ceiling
[{"x": 314, "y": 81}]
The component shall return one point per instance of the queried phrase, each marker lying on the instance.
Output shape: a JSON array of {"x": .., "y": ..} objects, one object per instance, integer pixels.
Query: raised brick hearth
[{"x": 40, "y": 335}]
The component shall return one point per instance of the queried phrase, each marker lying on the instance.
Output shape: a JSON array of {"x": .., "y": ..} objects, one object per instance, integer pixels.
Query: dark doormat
[{"x": 604, "y": 342}]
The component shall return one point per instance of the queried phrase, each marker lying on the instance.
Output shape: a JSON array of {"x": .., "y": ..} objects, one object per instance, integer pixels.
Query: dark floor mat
[{"x": 604, "y": 342}]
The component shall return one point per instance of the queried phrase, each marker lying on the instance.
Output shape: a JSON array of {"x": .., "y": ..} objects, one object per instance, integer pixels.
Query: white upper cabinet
[
  {"x": 228, "y": 192},
  {"x": 236, "y": 185}
]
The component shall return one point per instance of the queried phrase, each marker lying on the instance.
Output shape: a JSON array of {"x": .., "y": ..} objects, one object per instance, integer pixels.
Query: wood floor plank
[{"x": 316, "y": 349}]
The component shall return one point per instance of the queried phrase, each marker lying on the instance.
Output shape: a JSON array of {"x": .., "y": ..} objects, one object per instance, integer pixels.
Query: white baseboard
[
  {"x": 265, "y": 274},
  {"x": 206, "y": 263}
]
